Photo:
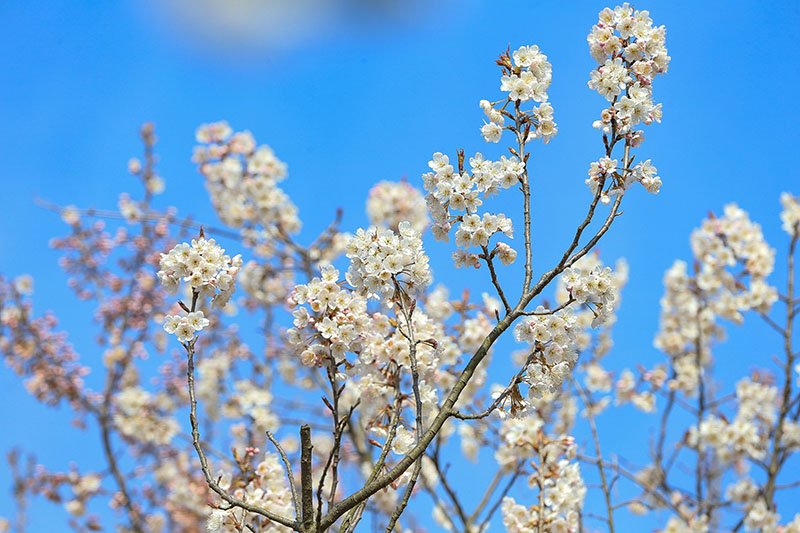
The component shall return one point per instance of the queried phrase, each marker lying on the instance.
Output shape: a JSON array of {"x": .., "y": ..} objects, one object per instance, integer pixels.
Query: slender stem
[
  {"x": 515, "y": 381},
  {"x": 663, "y": 500},
  {"x": 774, "y": 462},
  {"x": 465, "y": 520},
  {"x": 289, "y": 474},
  {"x": 354, "y": 516},
  {"x": 551, "y": 311},
  {"x": 595, "y": 437},
  {"x": 137, "y": 523},
  {"x": 490, "y": 263},
  {"x": 662, "y": 433},
  {"x": 104, "y": 419},
  {"x": 412, "y": 355},
  {"x": 183, "y": 223},
  {"x": 503, "y": 494},
  {"x": 701, "y": 405},
  {"x": 487, "y": 494},
  {"x": 540, "y": 481},
  {"x": 526, "y": 195},
  {"x": 333, "y": 456},
  {"x": 212, "y": 483}
]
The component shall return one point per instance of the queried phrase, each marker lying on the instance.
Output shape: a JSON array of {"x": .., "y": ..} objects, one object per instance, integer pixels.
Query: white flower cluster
[
  {"x": 185, "y": 327},
  {"x": 264, "y": 283},
  {"x": 694, "y": 524},
  {"x": 543, "y": 378},
  {"x": 210, "y": 274},
  {"x": 534, "y": 78},
  {"x": 691, "y": 305},
  {"x": 242, "y": 180},
  {"x": 546, "y": 127},
  {"x": 527, "y": 78},
  {"x": 683, "y": 321},
  {"x": 747, "y": 435},
  {"x": 252, "y": 402},
  {"x": 390, "y": 203},
  {"x": 595, "y": 287},
  {"x": 520, "y": 439},
  {"x": 448, "y": 190},
  {"x": 589, "y": 317},
  {"x": 631, "y": 52},
  {"x": 600, "y": 171},
  {"x": 382, "y": 260},
  {"x": 790, "y": 216},
  {"x": 645, "y": 173},
  {"x": 83, "y": 488},
  {"x": 564, "y": 492},
  {"x": 338, "y": 322},
  {"x": 390, "y": 345},
  {"x": 505, "y": 253},
  {"x": 722, "y": 242},
  {"x": 553, "y": 337},
  {"x": 626, "y": 390},
  {"x": 137, "y": 418},
  {"x": 558, "y": 337},
  {"x": 204, "y": 266},
  {"x": 610, "y": 79},
  {"x": 474, "y": 231},
  {"x": 129, "y": 209},
  {"x": 743, "y": 491},
  {"x": 761, "y": 519}
]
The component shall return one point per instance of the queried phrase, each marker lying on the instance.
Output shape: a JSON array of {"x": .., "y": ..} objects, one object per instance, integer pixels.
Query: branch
[
  {"x": 516, "y": 380},
  {"x": 289, "y": 474},
  {"x": 775, "y": 462},
  {"x": 490, "y": 263},
  {"x": 202, "y": 456},
  {"x": 606, "y": 490},
  {"x": 305, "y": 478},
  {"x": 355, "y": 514},
  {"x": 184, "y": 223},
  {"x": 450, "y": 492},
  {"x": 412, "y": 355},
  {"x": 503, "y": 494}
]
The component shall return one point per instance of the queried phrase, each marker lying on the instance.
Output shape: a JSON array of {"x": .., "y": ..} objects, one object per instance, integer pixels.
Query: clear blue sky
[{"x": 348, "y": 98}]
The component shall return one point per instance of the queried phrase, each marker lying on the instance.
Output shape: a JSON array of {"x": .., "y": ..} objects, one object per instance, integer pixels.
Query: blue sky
[{"x": 348, "y": 98}]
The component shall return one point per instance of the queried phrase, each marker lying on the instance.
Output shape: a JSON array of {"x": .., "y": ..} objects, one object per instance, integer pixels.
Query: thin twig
[
  {"x": 204, "y": 461},
  {"x": 289, "y": 474}
]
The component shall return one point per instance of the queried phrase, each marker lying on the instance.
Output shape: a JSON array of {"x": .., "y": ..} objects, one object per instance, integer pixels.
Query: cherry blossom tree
[{"x": 370, "y": 379}]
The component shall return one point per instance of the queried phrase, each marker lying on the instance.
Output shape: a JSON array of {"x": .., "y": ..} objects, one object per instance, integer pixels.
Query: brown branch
[
  {"x": 307, "y": 490},
  {"x": 450, "y": 492}
]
